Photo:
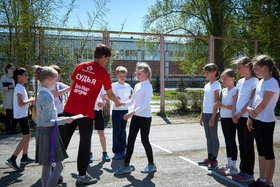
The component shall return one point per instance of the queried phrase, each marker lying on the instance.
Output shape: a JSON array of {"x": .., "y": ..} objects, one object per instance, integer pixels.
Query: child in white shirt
[
  {"x": 262, "y": 118},
  {"x": 246, "y": 88},
  {"x": 229, "y": 128},
  {"x": 210, "y": 115},
  {"x": 20, "y": 106},
  {"x": 141, "y": 119},
  {"x": 123, "y": 92}
]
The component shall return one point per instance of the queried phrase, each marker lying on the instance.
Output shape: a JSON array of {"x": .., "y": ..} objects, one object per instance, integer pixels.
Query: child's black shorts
[{"x": 98, "y": 120}]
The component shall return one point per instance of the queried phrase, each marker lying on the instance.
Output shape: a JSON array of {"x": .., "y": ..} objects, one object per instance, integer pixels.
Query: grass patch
[
  {"x": 277, "y": 147},
  {"x": 168, "y": 95},
  {"x": 166, "y": 104}
]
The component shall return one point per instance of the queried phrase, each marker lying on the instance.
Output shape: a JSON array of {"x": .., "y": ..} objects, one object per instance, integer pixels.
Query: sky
[{"x": 129, "y": 11}]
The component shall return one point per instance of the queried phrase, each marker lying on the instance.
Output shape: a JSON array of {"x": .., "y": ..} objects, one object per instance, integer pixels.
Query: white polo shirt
[
  {"x": 270, "y": 85},
  {"x": 245, "y": 88}
]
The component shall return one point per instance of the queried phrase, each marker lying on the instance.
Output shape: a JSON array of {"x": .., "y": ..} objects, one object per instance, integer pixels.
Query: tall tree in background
[
  {"x": 198, "y": 17},
  {"x": 20, "y": 16},
  {"x": 262, "y": 19}
]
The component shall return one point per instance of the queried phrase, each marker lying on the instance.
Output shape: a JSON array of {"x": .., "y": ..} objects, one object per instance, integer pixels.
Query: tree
[
  {"x": 198, "y": 17},
  {"x": 262, "y": 22},
  {"x": 22, "y": 16}
]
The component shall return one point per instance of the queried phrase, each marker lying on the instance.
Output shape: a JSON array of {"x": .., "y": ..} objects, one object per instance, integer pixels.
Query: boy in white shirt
[{"x": 123, "y": 92}]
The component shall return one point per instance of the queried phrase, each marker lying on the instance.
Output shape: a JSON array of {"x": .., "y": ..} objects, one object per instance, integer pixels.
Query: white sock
[
  {"x": 229, "y": 161},
  {"x": 233, "y": 164},
  {"x": 263, "y": 180}
]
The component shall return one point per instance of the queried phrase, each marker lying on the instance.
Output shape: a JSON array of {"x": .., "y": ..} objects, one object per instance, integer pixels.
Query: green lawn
[{"x": 169, "y": 95}]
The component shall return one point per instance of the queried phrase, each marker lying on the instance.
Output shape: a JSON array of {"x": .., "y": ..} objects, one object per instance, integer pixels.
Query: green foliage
[
  {"x": 261, "y": 18},
  {"x": 156, "y": 85},
  {"x": 189, "y": 101},
  {"x": 181, "y": 86},
  {"x": 168, "y": 95}
]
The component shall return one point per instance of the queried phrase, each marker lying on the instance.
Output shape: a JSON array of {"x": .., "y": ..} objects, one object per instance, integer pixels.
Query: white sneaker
[
  {"x": 223, "y": 169},
  {"x": 231, "y": 171}
]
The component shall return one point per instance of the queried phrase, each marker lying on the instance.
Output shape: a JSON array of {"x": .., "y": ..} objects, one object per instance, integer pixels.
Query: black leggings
[
  {"x": 246, "y": 147},
  {"x": 229, "y": 131},
  {"x": 263, "y": 134},
  {"x": 85, "y": 129},
  {"x": 143, "y": 124}
]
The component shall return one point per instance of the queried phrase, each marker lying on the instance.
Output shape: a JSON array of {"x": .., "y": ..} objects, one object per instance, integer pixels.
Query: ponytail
[
  {"x": 36, "y": 79},
  {"x": 264, "y": 60},
  {"x": 276, "y": 74}
]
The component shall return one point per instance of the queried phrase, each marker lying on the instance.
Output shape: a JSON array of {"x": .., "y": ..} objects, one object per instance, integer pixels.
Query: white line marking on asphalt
[
  {"x": 212, "y": 172},
  {"x": 203, "y": 167}
]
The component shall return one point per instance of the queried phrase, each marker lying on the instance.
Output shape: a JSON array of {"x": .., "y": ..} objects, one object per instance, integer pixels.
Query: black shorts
[
  {"x": 23, "y": 122},
  {"x": 98, "y": 120},
  {"x": 263, "y": 133}
]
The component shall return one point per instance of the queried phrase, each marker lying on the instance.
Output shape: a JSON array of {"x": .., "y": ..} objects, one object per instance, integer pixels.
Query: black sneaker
[
  {"x": 60, "y": 180},
  {"x": 26, "y": 160},
  {"x": 83, "y": 181},
  {"x": 12, "y": 164}
]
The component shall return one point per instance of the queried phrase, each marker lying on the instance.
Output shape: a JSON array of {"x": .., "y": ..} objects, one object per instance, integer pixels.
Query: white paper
[{"x": 78, "y": 116}]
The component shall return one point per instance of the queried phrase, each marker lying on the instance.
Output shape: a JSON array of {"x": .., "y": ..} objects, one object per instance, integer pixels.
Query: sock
[
  {"x": 13, "y": 157},
  {"x": 104, "y": 153},
  {"x": 233, "y": 164},
  {"x": 263, "y": 180},
  {"x": 229, "y": 161},
  {"x": 24, "y": 156}
]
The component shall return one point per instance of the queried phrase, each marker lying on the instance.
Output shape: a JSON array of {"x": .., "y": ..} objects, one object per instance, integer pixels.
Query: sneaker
[
  {"x": 123, "y": 154},
  {"x": 149, "y": 168},
  {"x": 269, "y": 185},
  {"x": 90, "y": 158},
  {"x": 86, "y": 180},
  {"x": 106, "y": 158},
  {"x": 117, "y": 156},
  {"x": 60, "y": 180},
  {"x": 234, "y": 177},
  {"x": 245, "y": 177},
  {"x": 212, "y": 165},
  {"x": 257, "y": 183},
  {"x": 12, "y": 164},
  {"x": 26, "y": 160},
  {"x": 205, "y": 162},
  {"x": 231, "y": 171},
  {"x": 124, "y": 170},
  {"x": 223, "y": 169}
]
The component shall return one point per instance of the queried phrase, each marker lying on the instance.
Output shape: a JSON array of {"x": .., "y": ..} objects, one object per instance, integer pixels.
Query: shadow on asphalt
[
  {"x": 115, "y": 164},
  {"x": 145, "y": 182},
  {"x": 96, "y": 170},
  {"x": 11, "y": 178},
  {"x": 166, "y": 120}
]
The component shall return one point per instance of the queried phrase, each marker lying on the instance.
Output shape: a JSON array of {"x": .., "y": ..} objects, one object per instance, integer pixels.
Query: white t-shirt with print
[
  {"x": 20, "y": 111},
  {"x": 270, "y": 85},
  {"x": 245, "y": 88},
  {"x": 227, "y": 99},
  {"x": 99, "y": 99},
  {"x": 59, "y": 100},
  {"x": 209, "y": 96},
  {"x": 122, "y": 91}
]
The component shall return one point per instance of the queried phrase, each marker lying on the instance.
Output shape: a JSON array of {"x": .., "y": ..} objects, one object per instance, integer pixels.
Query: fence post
[
  {"x": 162, "y": 104},
  {"x": 211, "y": 49},
  {"x": 42, "y": 46},
  {"x": 106, "y": 41},
  {"x": 256, "y": 47}
]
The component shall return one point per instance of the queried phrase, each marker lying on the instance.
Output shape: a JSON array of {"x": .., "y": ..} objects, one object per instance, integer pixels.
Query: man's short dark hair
[{"x": 101, "y": 50}]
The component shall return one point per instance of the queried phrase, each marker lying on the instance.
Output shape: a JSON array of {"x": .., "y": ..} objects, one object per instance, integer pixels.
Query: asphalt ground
[{"x": 178, "y": 144}]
